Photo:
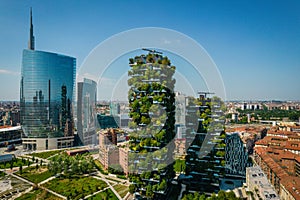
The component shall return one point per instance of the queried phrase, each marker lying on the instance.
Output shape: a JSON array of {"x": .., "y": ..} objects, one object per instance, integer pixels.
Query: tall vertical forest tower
[{"x": 152, "y": 113}]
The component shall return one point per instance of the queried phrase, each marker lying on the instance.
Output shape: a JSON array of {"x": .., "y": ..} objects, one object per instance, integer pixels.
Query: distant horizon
[{"x": 241, "y": 100}]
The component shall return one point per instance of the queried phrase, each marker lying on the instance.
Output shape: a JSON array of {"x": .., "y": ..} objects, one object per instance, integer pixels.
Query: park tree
[{"x": 132, "y": 188}]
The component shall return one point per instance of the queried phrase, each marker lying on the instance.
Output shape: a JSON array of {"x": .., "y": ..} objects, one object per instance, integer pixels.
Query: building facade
[
  {"x": 46, "y": 95},
  {"x": 10, "y": 135},
  {"x": 258, "y": 184},
  {"x": 236, "y": 156},
  {"x": 205, "y": 140},
  {"x": 86, "y": 112},
  {"x": 152, "y": 112}
]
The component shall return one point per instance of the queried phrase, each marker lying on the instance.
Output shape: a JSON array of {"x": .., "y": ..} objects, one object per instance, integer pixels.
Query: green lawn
[
  {"x": 16, "y": 163},
  {"x": 46, "y": 154},
  {"x": 75, "y": 187},
  {"x": 34, "y": 175},
  {"x": 105, "y": 195},
  {"x": 38, "y": 194},
  {"x": 2, "y": 174},
  {"x": 122, "y": 190},
  {"x": 100, "y": 167}
]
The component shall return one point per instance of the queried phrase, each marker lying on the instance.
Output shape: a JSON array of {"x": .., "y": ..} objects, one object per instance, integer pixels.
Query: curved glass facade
[{"x": 46, "y": 94}]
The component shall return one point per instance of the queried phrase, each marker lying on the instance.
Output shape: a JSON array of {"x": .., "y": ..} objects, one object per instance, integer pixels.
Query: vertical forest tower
[{"x": 152, "y": 113}]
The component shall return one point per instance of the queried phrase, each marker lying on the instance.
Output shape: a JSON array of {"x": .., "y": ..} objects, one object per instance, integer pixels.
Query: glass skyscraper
[
  {"x": 47, "y": 83},
  {"x": 86, "y": 115},
  {"x": 46, "y": 95}
]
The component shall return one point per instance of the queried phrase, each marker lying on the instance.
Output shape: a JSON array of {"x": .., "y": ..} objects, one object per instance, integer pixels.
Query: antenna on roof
[{"x": 152, "y": 51}]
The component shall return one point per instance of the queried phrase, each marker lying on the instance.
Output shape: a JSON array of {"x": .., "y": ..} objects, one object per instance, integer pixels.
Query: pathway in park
[
  {"x": 11, "y": 172},
  {"x": 110, "y": 186}
]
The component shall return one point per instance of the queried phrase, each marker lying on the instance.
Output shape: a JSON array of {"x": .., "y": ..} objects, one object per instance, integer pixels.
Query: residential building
[
  {"x": 236, "y": 156},
  {"x": 285, "y": 140},
  {"x": 258, "y": 184},
  {"x": 152, "y": 112},
  {"x": 205, "y": 140},
  {"x": 46, "y": 95},
  {"x": 282, "y": 170},
  {"x": 110, "y": 153}
]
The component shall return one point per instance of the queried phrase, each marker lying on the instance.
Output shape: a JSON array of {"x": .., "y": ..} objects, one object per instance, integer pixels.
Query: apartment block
[{"x": 258, "y": 184}]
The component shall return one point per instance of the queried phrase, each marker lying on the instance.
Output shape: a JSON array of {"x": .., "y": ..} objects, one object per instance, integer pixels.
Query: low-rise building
[
  {"x": 282, "y": 170},
  {"x": 285, "y": 140},
  {"x": 109, "y": 151},
  {"x": 10, "y": 135},
  {"x": 258, "y": 184}
]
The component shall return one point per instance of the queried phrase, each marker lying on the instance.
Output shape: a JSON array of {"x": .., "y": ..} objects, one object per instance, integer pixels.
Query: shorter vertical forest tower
[
  {"x": 205, "y": 159},
  {"x": 152, "y": 113}
]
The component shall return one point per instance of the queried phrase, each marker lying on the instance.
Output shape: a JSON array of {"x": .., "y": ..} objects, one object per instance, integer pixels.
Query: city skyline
[{"x": 255, "y": 45}]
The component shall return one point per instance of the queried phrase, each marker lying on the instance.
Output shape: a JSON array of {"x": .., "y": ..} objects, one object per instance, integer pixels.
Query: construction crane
[{"x": 152, "y": 51}]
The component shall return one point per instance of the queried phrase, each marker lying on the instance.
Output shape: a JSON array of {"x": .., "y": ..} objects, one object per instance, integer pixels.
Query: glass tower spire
[{"x": 31, "y": 37}]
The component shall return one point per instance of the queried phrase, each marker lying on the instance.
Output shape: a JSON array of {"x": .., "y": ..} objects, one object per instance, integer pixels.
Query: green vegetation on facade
[
  {"x": 206, "y": 140},
  {"x": 152, "y": 111}
]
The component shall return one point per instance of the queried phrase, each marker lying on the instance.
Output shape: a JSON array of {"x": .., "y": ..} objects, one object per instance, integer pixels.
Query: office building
[
  {"x": 46, "y": 95},
  {"x": 236, "y": 156},
  {"x": 86, "y": 112}
]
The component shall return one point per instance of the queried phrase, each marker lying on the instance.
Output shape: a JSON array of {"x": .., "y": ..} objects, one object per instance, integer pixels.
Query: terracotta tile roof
[
  {"x": 292, "y": 184},
  {"x": 283, "y": 133},
  {"x": 269, "y": 155},
  {"x": 5, "y": 126},
  {"x": 272, "y": 141},
  {"x": 293, "y": 145}
]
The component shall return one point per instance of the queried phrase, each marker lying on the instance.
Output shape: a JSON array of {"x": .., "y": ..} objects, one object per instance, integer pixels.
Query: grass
[
  {"x": 122, "y": 190},
  {"x": 35, "y": 175},
  {"x": 106, "y": 194},
  {"x": 100, "y": 167},
  {"x": 75, "y": 187},
  {"x": 2, "y": 174},
  {"x": 16, "y": 163},
  {"x": 122, "y": 177},
  {"x": 38, "y": 194},
  {"x": 46, "y": 154}
]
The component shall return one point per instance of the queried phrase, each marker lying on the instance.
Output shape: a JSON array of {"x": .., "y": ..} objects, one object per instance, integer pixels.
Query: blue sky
[{"x": 255, "y": 44}]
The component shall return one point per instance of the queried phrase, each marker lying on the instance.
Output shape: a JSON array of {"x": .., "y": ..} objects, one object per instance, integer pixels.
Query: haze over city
[{"x": 255, "y": 44}]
